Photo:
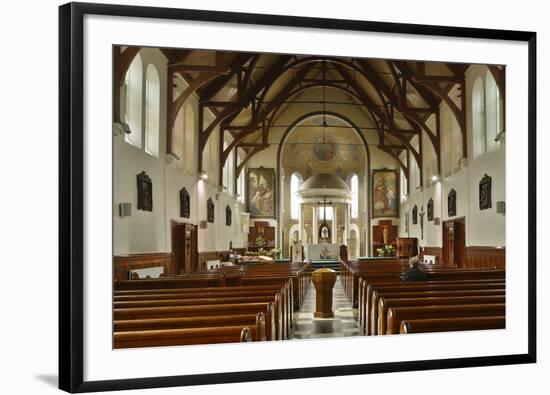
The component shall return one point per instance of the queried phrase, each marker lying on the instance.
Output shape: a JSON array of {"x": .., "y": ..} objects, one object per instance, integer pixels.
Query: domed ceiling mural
[{"x": 312, "y": 148}]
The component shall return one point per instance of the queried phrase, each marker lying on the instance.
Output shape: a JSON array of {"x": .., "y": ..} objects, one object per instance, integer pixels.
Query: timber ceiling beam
[{"x": 122, "y": 61}]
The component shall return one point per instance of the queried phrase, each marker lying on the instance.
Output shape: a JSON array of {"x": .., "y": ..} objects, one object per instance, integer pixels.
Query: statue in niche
[
  {"x": 210, "y": 210},
  {"x": 145, "y": 192},
  {"x": 451, "y": 203},
  {"x": 324, "y": 233},
  {"x": 185, "y": 205},
  {"x": 415, "y": 215},
  {"x": 228, "y": 216},
  {"x": 385, "y": 235},
  {"x": 430, "y": 209},
  {"x": 485, "y": 192}
]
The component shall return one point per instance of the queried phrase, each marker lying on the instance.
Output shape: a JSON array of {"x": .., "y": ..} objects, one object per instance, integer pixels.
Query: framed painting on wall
[
  {"x": 385, "y": 193},
  {"x": 260, "y": 192},
  {"x": 90, "y": 34}
]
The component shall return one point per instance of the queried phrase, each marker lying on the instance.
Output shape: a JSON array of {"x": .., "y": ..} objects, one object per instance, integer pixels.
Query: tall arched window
[
  {"x": 478, "y": 117},
  {"x": 152, "y": 110},
  {"x": 492, "y": 110},
  {"x": 178, "y": 136},
  {"x": 486, "y": 114},
  {"x": 190, "y": 149},
  {"x": 295, "y": 183},
  {"x": 354, "y": 188},
  {"x": 240, "y": 180},
  {"x": 133, "y": 83}
]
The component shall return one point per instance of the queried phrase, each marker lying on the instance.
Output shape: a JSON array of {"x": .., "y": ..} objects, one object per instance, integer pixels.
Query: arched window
[
  {"x": 486, "y": 114},
  {"x": 228, "y": 170},
  {"x": 354, "y": 188},
  {"x": 478, "y": 117},
  {"x": 178, "y": 136},
  {"x": 133, "y": 83},
  {"x": 189, "y": 146},
  {"x": 492, "y": 110},
  {"x": 295, "y": 183},
  {"x": 152, "y": 111},
  {"x": 240, "y": 181}
]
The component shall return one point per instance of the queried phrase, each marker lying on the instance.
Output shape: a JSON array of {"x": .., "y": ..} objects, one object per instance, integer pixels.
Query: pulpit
[{"x": 323, "y": 281}]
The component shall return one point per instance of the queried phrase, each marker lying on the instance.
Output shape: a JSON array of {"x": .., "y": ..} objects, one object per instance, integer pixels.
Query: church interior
[{"x": 274, "y": 197}]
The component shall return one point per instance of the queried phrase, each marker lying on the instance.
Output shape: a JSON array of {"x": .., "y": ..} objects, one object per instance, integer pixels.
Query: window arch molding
[{"x": 152, "y": 110}]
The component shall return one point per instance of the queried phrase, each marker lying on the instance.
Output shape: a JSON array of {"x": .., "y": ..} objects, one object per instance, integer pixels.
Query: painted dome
[{"x": 323, "y": 181}]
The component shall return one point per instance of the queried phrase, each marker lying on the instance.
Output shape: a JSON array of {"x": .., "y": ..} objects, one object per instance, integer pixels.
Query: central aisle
[{"x": 344, "y": 322}]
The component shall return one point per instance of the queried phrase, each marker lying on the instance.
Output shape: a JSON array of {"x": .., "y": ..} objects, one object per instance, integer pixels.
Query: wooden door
[
  {"x": 184, "y": 248},
  {"x": 448, "y": 243},
  {"x": 460, "y": 243}
]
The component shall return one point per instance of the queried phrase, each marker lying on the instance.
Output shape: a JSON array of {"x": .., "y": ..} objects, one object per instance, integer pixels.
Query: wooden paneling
[
  {"x": 477, "y": 257},
  {"x": 486, "y": 257},
  {"x": 124, "y": 263},
  {"x": 434, "y": 251},
  {"x": 211, "y": 256}
]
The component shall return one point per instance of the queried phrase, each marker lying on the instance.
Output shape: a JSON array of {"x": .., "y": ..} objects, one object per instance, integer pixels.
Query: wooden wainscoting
[
  {"x": 486, "y": 257},
  {"x": 210, "y": 256},
  {"x": 477, "y": 257},
  {"x": 124, "y": 263},
  {"x": 435, "y": 251}
]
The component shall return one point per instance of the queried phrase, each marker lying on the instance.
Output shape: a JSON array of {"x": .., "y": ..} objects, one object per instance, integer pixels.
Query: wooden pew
[
  {"x": 365, "y": 294},
  {"x": 379, "y": 321},
  {"x": 398, "y": 314},
  {"x": 420, "y": 286},
  {"x": 452, "y": 324},
  {"x": 274, "y": 327},
  {"x": 176, "y": 337}
]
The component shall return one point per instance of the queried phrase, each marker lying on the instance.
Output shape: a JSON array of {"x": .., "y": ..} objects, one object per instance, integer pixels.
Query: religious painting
[
  {"x": 261, "y": 192},
  {"x": 185, "y": 203},
  {"x": 485, "y": 186},
  {"x": 210, "y": 210},
  {"x": 228, "y": 219},
  {"x": 385, "y": 193},
  {"x": 145, "y": 192},
  {"x": 451, "y": 203},
  {"x": 430, "y": 209},
  {"x": 415, "y": 215}
]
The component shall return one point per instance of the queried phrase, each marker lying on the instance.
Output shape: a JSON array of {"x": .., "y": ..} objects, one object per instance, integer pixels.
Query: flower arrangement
[
  {"x": 261, "y": 241},
  {"x": 387, "y": 250}
]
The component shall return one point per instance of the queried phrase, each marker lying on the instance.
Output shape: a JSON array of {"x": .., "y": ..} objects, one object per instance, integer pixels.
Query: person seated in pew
[{"x": 414, "y": 273}]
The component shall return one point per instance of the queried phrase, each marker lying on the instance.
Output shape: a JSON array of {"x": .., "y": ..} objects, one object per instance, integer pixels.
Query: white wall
[
  {"x": 144, "y": 231},
  {"x": 483, "y": 227}
]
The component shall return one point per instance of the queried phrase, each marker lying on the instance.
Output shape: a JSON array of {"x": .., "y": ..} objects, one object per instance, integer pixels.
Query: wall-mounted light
[
  {"x": 203, "y": 176},
  {"x": 435, "y": 178}
]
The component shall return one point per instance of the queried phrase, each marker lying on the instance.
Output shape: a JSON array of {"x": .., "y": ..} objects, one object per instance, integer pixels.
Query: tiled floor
[{"x": 344, "y": 322}]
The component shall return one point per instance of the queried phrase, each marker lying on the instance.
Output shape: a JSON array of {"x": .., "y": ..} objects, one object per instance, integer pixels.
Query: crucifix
[
  {"x": 421, "y": 213},
  {"x": 324, "y": 227}
]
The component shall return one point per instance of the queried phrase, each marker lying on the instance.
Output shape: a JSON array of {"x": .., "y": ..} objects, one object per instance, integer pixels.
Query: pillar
[
  {"x": 301, "y": 232},
  {"x": 315, "y": 226},
  {"x": 334, "y": 225},
  {"x": 346, "y": 219}
]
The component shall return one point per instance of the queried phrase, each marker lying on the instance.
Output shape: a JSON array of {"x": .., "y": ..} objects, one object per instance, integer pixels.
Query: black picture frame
[
  {"x": 185, "y": 203},
  {"x": 451, "y": 203},
  {"x": 485, "y": 187},
  {"x": 210, "y": 210},
  {"x": 144, "y": 192},
  {"x": 415, "y": 215},
  {"x": 228, "y": 216},
  {"x": 71, "y": 196},
  {"x": 430, "y": 209}
]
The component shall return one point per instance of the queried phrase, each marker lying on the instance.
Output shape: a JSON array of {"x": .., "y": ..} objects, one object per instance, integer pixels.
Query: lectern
[{"x": 323, "y": 281}]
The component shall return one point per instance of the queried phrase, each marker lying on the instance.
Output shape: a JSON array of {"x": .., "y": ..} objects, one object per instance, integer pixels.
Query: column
[
  {"x": 301, "y": 232},
  {"x": 334, "y": 225},
  {"x": 315, "y": 226},
  {"x": 346, "y": 219}
]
